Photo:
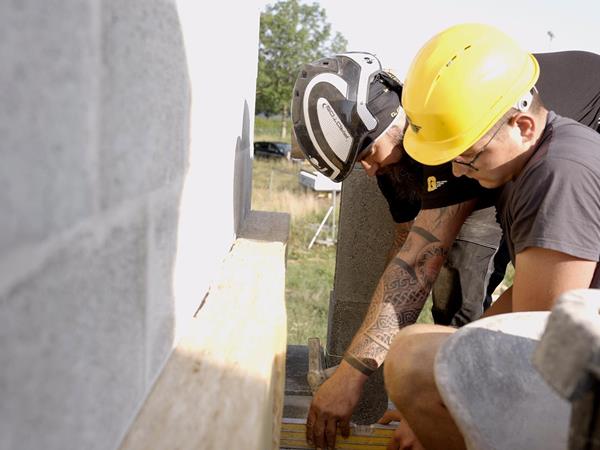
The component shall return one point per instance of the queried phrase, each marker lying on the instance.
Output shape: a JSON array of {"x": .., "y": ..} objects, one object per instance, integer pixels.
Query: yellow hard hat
[{"x": 458, "y": 86}]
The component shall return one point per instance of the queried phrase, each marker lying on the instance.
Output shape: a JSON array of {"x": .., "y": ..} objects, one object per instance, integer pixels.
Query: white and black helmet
[{"x": 340, "y": 105}]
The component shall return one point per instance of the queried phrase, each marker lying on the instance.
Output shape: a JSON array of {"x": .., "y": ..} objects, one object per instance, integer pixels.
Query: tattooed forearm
[
  {"x": 400, "y": 234},
  {"x": 449, "y": 215},
  {"x": 399, "y": 296}
]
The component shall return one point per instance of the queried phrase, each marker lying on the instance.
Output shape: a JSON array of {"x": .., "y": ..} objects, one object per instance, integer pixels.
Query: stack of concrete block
[{"x": 124, "y": 177}]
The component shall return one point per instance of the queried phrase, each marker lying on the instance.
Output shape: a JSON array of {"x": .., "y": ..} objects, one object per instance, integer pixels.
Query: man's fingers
[
  {"x": 330, "y": 433},
  {"x": 385, "y": 419},
  {"x": 396, "y": 442},
  {"x": 310, "y": 421},
  {"x": 345, "y": 427},
  {"x": 391, "y": 415},
  {"x": 319, "y": 432}
]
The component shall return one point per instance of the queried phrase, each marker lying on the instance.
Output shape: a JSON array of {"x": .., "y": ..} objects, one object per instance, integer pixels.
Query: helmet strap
[{"x": 391, "y": 82}]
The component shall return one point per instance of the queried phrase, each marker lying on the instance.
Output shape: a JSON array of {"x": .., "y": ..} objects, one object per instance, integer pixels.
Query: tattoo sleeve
[
  {"x": 403, "y": 288},
  {"x": 400, "y": 234}
]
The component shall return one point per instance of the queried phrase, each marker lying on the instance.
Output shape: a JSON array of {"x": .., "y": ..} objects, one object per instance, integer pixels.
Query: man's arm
[
  {"x": 542, "y": 275},
  {"x": 401, "y": 231},
  {"x": 406, "y": 282},
  {"x": 396, "y": 303}
]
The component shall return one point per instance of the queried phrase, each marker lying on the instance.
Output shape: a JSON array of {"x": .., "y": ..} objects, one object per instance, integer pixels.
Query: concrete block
[
  {"x": 296, "y": 369},
  {"x": 366, "y": 232},
  {"x": 145, "y": 99},
  {"x": 373, "y": 402},
  {"x": 72, "y": 343},
  {"x": 48, "y": 85},
  {"x": 568, "y": 357},
  {"x": 163, "y": 213},
  {"x": 569, "y": 351},
  {"x": 345, "y": 320},
  {"x": 488, "y": 383},
  {"x": 296, "y": 406}
]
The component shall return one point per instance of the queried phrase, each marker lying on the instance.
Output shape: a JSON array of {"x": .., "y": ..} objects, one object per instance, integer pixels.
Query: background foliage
[{"x": 291, "y": 34}]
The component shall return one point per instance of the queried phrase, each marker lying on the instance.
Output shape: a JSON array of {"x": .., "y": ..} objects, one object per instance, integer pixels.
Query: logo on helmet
[
  {"x": 338, "y": 138},
  {"x": 336, "y": 119}
]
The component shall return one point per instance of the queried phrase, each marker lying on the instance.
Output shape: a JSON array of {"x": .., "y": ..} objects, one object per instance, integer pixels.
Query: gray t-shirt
[{"x": 554, "y": 203}]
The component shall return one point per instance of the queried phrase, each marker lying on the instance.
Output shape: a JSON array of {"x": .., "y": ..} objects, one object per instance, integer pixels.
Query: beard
[{"x": 406, "y": 178}]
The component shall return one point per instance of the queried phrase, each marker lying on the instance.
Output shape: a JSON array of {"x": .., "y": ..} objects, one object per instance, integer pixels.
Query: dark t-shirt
[
  {"x": 569, "y": 84},
  {"x": 554, "y": 203}
]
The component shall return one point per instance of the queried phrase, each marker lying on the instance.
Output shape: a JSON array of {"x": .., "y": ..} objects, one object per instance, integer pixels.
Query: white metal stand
[{"x": 332, "y": 239}]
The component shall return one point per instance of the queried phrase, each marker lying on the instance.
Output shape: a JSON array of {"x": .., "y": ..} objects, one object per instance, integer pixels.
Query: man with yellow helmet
[{"x": 470, "y": 100}]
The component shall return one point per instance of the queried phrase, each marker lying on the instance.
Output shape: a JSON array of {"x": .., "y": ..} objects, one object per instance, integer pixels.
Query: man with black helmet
[{"x": 334, "y": 103}]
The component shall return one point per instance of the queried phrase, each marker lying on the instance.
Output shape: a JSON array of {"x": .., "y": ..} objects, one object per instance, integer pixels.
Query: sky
[{"x": 395, "y": 30}]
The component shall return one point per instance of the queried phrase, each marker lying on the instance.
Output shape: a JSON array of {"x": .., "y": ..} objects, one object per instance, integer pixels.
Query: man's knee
[{"x": 408, "y": 368}]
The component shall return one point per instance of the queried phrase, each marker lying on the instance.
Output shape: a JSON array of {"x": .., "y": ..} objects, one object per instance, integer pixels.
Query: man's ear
[{"x": 526, "y": 124}]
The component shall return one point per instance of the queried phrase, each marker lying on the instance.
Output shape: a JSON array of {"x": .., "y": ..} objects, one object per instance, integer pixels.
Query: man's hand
[
  {"x": 403, "y": 438},
  {"x": 332, "y": 406}
]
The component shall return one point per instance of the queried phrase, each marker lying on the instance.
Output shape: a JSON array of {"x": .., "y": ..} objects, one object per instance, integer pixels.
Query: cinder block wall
[{"x": 124, "y": 176}]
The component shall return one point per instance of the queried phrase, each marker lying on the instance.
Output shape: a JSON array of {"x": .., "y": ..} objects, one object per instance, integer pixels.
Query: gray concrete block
[
  {"x": 345, "y": 320},
  {"x": 72, "y": 343},
  {"x": 365, "y": 236},
  {"x": 569, "y": 351},
  {"x": 373, "y": 402},
  {"x": 163, "y": 213},
  {"x": 568, "y": 357},
  {"x": 488, "y": 383},
  {"x": 296, "y": 406},
  {"x": 145, "y": 99},
  {"x": 366, "y": 232},
  {"x": 48, "y": 84},
  {"x": 296, "y": 369}
]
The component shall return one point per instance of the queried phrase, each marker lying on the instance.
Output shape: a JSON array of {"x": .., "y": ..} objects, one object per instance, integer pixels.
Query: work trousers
[{"x": 475, "y": 266}]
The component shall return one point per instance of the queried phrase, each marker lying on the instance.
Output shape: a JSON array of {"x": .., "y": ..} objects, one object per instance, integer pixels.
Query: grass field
[
  {"x": 269, "y": 129},
  {"x": 309, "y": 272}
]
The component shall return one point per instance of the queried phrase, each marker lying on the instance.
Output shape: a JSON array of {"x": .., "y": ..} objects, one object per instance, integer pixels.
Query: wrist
[{"x": 352, "y": 373}]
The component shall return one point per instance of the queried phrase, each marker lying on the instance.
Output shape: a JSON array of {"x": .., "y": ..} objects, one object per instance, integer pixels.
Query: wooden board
[
  {"x": 223, "y": 386},
  {"x": 362, "y": 437}
]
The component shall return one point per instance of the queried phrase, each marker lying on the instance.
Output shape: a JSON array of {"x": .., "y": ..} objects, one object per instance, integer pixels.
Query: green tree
[{"x": 291, "y": 34}]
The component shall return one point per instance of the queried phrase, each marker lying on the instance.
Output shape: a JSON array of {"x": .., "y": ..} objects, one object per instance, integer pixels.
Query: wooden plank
[
  {"x": 362, "y": 437},
  {"x": 223, "y": 385}
]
